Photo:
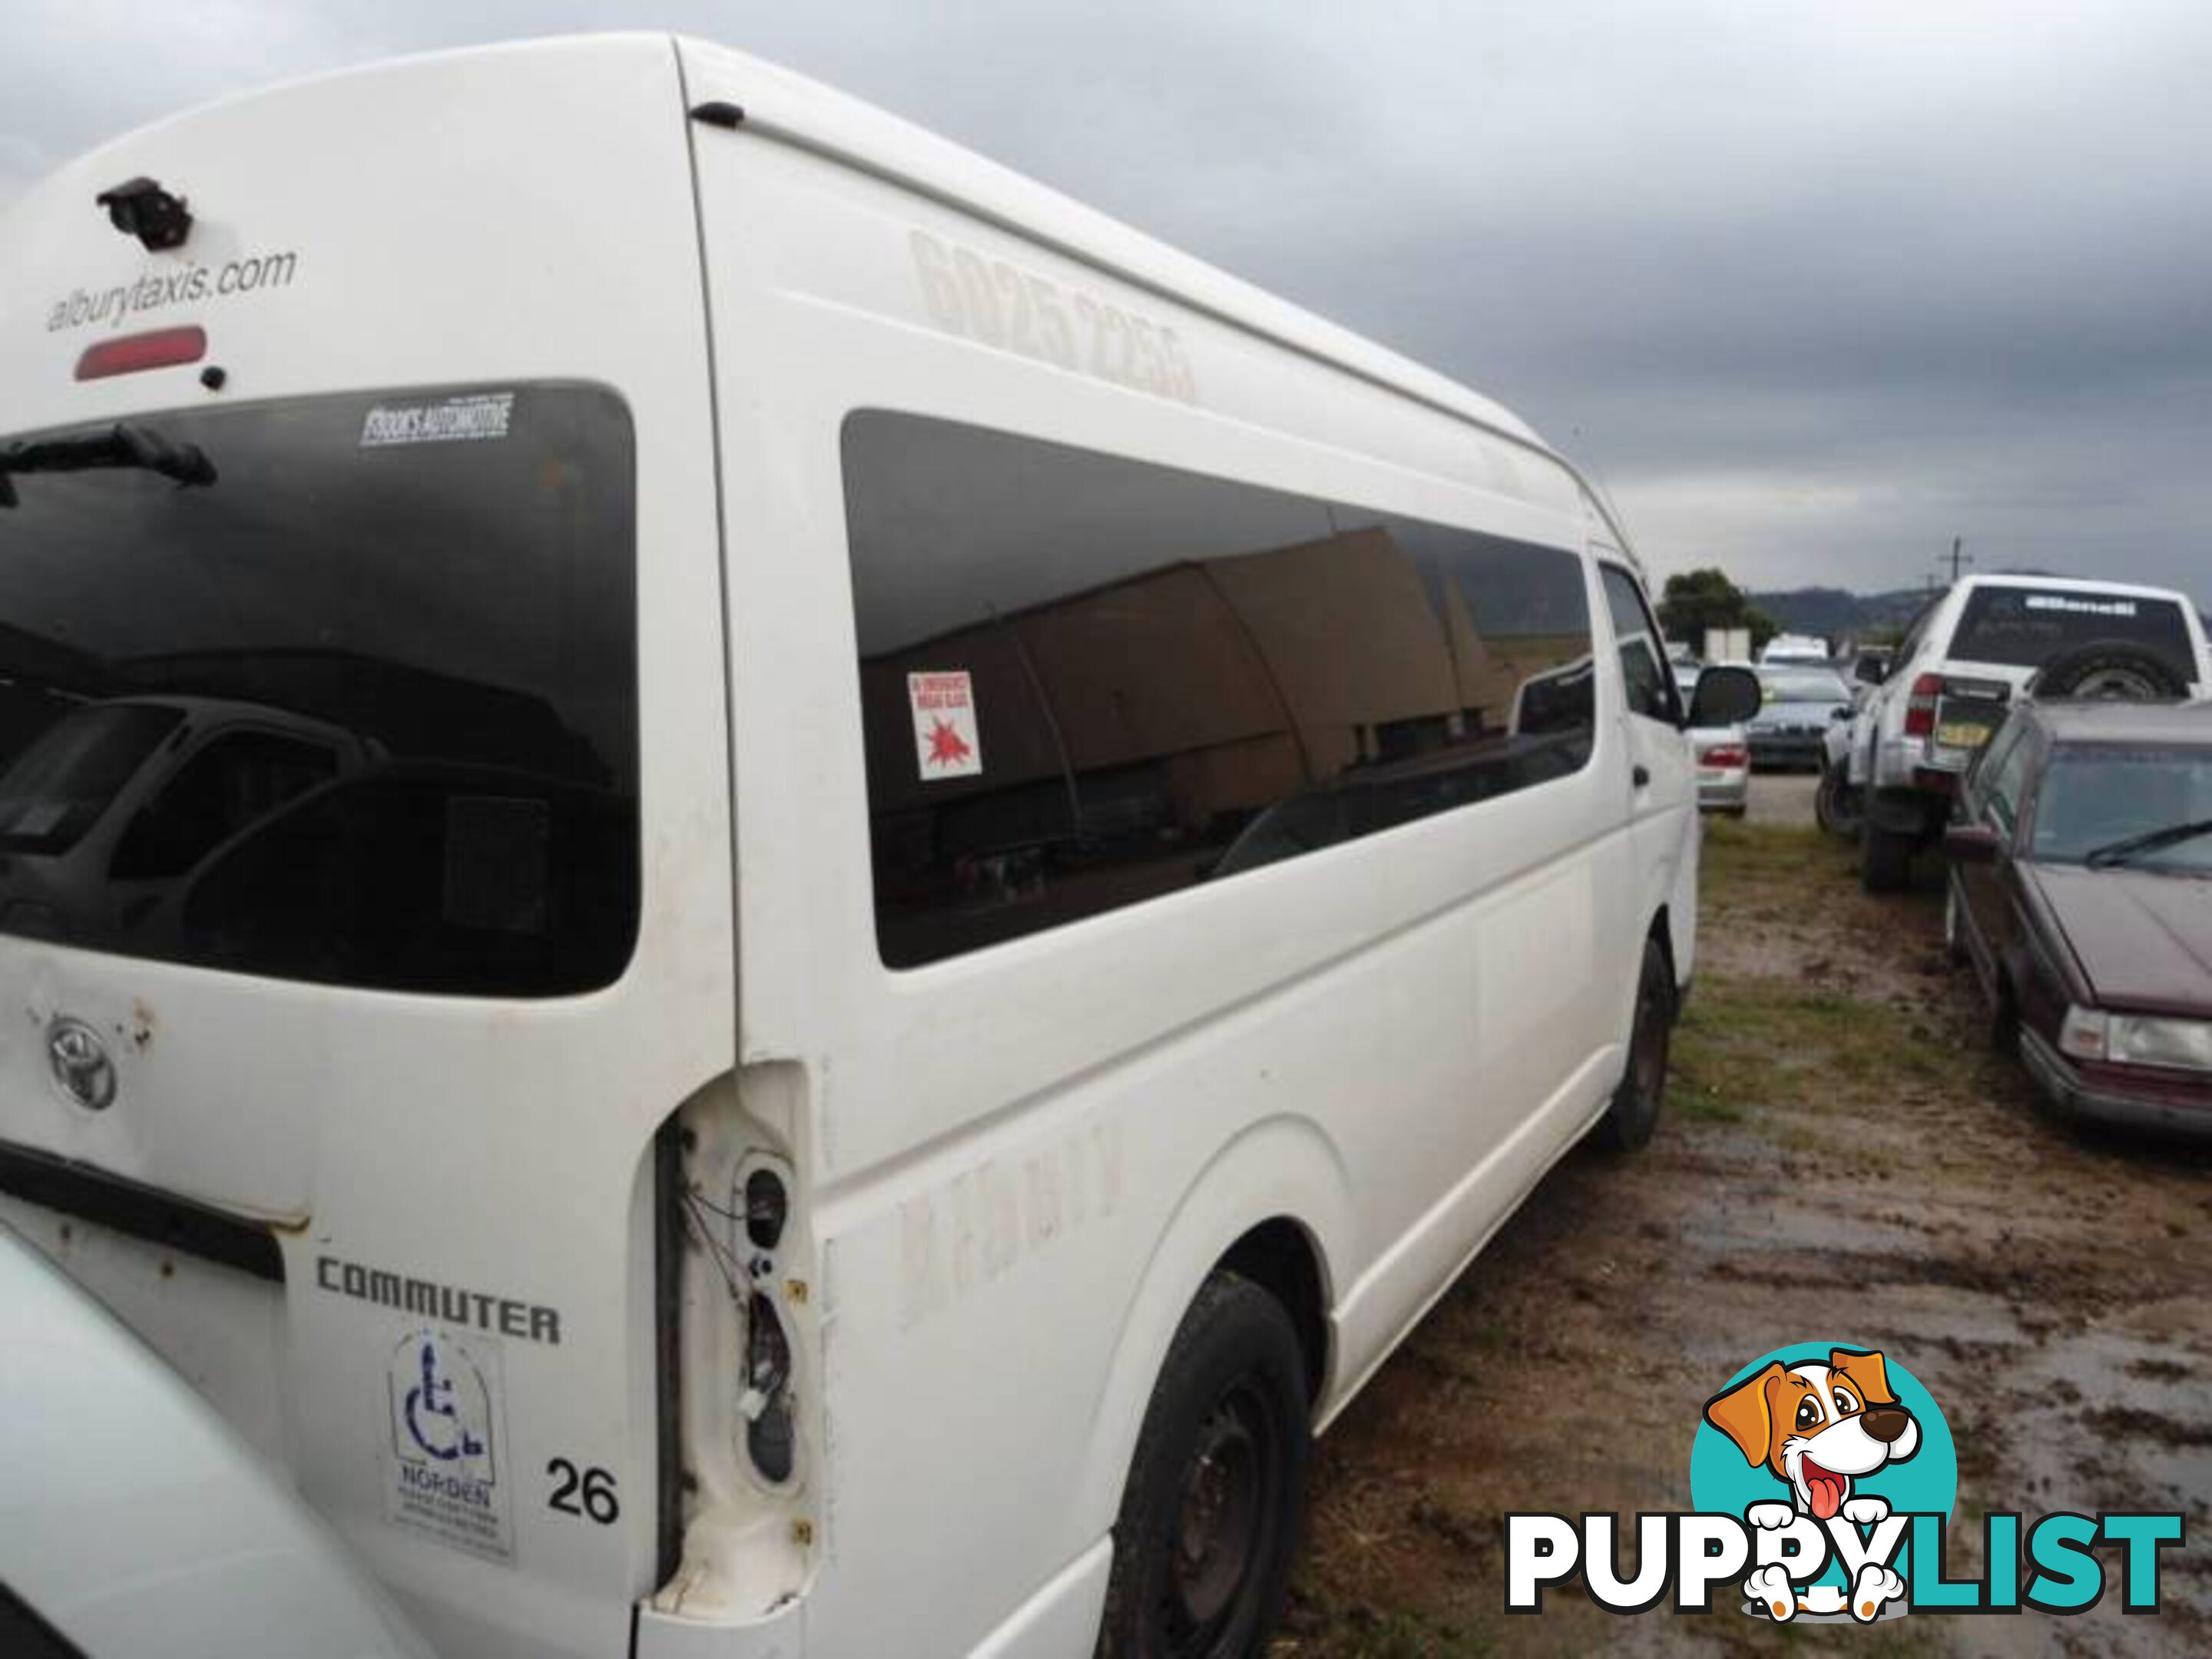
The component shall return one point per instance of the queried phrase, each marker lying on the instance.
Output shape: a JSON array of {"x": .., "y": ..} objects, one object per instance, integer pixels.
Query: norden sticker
[
  {"x": 443, "y": 1475},
  {"x": 946, "y": 741},
  {"x": 475, "y": 419}
]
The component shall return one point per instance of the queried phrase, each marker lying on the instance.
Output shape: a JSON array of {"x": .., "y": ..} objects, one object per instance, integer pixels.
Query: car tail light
[
  {"x": 1920, "y": 706},
  {"x": 164, "y": 348},
  {"x": 1724, "y": 754},
  {"x": 2082, "y": 1033}
]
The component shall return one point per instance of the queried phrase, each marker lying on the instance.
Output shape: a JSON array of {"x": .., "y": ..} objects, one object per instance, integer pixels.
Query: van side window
[
  {"x": 1087, "y": 682},
  {"x": 1644, "y": 669}
]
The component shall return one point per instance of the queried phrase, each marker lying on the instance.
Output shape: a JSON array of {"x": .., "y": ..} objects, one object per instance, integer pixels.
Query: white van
[{"x": 906, "y": 873}]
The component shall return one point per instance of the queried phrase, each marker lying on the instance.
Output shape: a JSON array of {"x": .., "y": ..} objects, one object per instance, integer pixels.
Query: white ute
[{"x": 775, "y": 897}]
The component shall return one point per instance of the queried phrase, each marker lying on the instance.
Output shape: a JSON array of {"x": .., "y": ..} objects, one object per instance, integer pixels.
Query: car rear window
[
  {"x": 337, "y": 688},
  {"x": 1798, "y": 685},
  {"x": 2026, "y": 627}
]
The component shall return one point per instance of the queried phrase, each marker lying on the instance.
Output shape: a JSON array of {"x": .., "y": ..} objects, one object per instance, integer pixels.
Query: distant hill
[{"x": 1835, "y": 613}]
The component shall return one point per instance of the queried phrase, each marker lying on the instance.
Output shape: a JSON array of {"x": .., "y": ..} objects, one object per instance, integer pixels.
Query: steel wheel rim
[{"x": 1221, "y": 1519}]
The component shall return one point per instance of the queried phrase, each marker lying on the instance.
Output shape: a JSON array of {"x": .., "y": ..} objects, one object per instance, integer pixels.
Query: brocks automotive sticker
[
  {"x": 944, "y": 738},
  {"x": 443, "y": 1472},
  {"x": 472, "y": 419}
]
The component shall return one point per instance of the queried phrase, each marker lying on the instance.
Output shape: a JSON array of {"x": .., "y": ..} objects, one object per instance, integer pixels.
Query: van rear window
[
  {"x": 338, "y": 689},
  {"x": 1088, "y": 682},
  {"x": 2026, "y": 627}
]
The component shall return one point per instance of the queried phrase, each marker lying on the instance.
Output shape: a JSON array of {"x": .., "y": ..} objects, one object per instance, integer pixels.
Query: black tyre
[
  {"x": 1634, "y": 1114},
  {"x": 1215, "y": 1506},
  {"x": 1837, "y": 807},
  {"x": 1884, "y": 859},
  {"x": 2110, "y": 670},
  {"x": 1954, "y": 939},
  {"x": 2004, "y": 1021}
]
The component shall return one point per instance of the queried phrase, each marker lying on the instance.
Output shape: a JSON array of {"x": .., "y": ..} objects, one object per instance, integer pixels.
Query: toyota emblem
[{"x": 81, "y": 1063}]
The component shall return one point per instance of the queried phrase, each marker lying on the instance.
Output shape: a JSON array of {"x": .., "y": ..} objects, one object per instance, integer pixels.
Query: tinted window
[
  {"x": 1087, "y": 682},
  {"x": 1643, "y": 659},
  {"x": 237, "y": 780},
  {"x": 356, "y": 704},
  {"x": 2025, "y": 627}
]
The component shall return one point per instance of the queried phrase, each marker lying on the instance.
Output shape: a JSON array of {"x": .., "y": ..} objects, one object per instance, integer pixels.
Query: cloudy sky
[{"x": 1813, "y": 288}]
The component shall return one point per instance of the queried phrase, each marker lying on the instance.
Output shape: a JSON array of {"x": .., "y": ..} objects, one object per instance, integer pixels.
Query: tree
[{"x": 1695, "y": 600}]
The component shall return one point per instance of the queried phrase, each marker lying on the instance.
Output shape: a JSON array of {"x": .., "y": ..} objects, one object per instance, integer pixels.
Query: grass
[
  {"x": 1753, "y": 1042},
  {"x": 1748, "y": 861}
]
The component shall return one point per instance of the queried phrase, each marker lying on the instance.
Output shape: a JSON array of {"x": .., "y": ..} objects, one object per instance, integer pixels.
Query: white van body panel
[
  {"x": 380, "y": 1128},
  {"x": 1092, "y": 1116},
  {"x": 1012, "y": 1168}
]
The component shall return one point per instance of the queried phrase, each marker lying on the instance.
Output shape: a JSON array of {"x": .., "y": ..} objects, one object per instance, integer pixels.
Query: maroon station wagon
[{"x": 2080, "y": 890}]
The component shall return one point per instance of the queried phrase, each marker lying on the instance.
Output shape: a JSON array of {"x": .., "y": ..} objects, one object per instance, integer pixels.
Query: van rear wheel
[{"x": 1212, "y": 1515}]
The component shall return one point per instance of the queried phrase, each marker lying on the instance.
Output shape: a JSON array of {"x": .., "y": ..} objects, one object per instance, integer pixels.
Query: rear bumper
[
  {"x": 1803, "y": 749},
  {"x": 2064, "y": 1086},
  {"x": 1730, "y": 792}
]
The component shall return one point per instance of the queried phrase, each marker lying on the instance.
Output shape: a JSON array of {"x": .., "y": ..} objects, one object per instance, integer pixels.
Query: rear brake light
[
  {"x": 1724, "y": 754},
  {"x": 164, "y": 348},
  {"x": 1920, "y": 706}
]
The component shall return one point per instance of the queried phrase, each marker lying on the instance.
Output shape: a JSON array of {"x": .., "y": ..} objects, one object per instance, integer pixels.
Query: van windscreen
[{"x": 349, "y": 698}]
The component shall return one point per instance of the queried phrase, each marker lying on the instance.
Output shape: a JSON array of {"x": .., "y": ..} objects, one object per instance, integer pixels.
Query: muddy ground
[{"x": 1841, "y": 1153}]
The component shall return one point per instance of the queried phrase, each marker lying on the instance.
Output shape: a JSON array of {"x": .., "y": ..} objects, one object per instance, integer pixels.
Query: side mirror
[
  {"x": 1970, "y": 843},
  {"x": 1870, "y": 669},
  {"x": 1724, "y": 697}
]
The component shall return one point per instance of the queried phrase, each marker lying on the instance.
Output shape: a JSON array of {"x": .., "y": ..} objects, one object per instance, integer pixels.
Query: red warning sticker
[{"x": 944, "y": 737}]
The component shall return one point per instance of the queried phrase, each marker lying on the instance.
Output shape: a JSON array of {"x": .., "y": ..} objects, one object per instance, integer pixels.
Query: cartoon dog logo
[{"x": 1818, "y": 1427}]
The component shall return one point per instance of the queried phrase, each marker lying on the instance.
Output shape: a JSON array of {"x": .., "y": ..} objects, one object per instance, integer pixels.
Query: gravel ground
[{"x": 1842, "y": 1154}]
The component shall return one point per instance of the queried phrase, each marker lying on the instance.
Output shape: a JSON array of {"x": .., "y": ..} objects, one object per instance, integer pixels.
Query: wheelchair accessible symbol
[
  {"x": 433, "y": 1419},
  {"x": 441, "y": 1405},
  {"x": 441, "y": 1475}
]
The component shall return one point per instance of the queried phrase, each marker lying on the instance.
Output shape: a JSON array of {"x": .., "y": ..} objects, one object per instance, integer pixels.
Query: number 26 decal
[{"x": 590, "y": 1493}]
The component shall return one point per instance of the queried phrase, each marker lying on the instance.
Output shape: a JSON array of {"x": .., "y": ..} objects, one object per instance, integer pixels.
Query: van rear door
[{"x": 365, "y": 864}]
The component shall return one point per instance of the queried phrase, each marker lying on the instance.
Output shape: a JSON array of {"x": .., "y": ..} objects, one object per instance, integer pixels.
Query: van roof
[{"x": 785, "y": 105}]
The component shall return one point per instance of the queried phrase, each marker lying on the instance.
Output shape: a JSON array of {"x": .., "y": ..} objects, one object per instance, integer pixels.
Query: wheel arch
[{"x": 1274, "y": 1205}]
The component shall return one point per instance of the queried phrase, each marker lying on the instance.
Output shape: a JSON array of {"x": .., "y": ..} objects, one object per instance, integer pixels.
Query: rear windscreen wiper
[
  {"x": 2120, "y": 852},
  {"x": 124, "y": 445}
]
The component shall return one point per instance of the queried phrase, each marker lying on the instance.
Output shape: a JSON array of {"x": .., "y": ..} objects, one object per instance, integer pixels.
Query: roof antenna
[{"x": 141, "y": 208}]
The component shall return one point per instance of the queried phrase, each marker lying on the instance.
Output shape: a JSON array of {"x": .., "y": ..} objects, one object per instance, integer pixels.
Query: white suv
[{"x": 1961, "y": 662}]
